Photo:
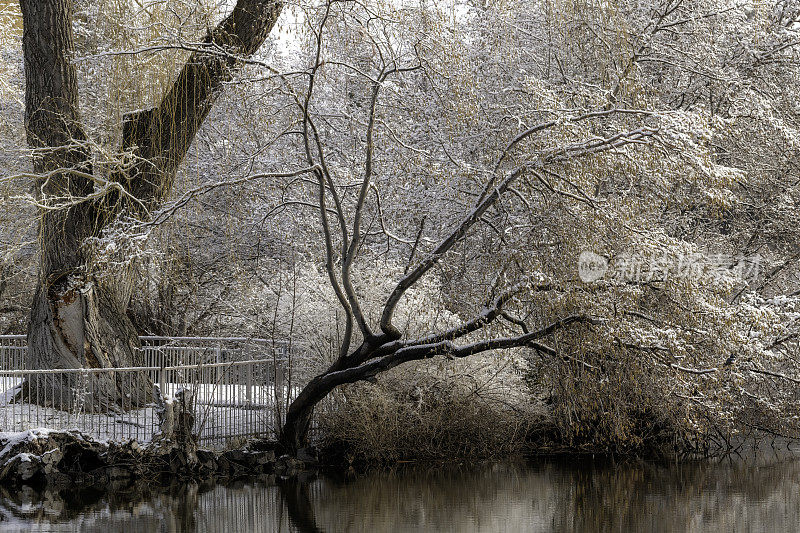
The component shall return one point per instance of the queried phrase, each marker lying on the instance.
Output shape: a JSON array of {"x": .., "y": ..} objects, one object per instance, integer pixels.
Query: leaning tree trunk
[
  {"x": 78, "y": 318},
  {"x": 294, "y": 433}
]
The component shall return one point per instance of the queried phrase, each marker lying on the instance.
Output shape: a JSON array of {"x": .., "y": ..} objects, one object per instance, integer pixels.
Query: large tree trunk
[
  {"x": 82, "y": 326},
  {"x": 76, "y": 321},
  {"x": 78, "y": 317}
]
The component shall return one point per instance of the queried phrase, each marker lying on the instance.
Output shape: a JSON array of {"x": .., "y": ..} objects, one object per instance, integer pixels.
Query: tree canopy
[{"x": 603, "y": 193}]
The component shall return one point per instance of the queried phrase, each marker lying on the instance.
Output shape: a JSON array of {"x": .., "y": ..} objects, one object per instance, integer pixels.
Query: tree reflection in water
[{"x": 548, "y": 495}]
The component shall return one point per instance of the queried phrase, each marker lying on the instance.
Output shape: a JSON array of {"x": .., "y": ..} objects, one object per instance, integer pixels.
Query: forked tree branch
[{"x": 159, "y": 138}]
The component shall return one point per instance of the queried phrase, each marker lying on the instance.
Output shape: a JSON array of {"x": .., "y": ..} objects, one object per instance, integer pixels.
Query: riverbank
[{"x": 57, "y": 459}]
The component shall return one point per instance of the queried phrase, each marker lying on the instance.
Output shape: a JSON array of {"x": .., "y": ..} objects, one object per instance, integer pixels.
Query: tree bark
[
  {"x": 161, "y": 137},
  {"x": 75, "y": 321},
  {"x": 78, "y": 318},
  {"x": 294, "y": 433}
]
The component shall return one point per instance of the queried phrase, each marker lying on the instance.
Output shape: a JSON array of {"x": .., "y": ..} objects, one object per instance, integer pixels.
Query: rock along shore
[{"x": 43, "y": 457}]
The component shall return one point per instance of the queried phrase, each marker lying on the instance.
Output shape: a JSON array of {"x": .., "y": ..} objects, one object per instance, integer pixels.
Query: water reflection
[{"x": 522, "y": 496}]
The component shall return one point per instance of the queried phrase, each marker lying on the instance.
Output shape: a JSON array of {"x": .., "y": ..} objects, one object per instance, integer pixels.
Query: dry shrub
[
  {"x": 430, "y": 412},
  {"x": 621, "y": 409}
]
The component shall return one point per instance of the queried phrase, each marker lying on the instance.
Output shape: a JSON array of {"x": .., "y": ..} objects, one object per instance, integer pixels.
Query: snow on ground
[
  {"x": 224, "y": 414},
  {"x": 13, "y": 438}
]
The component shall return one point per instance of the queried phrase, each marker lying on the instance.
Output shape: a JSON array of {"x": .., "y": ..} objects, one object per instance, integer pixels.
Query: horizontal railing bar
[
  {"x": 134, "y": 368},
  {"x": 179, "y": 348},
  {"x": 211, "y": 339},
  {"x": 183, "y": 339}
]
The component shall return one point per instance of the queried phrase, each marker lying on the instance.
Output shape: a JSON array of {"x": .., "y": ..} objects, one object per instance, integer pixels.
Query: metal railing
[
  {"x": 12, "y": 351},
  {"x": 239, "y": 386}
]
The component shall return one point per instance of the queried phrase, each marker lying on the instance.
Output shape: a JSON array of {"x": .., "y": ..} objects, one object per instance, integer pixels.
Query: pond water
[{"x": 534, "y": 495}]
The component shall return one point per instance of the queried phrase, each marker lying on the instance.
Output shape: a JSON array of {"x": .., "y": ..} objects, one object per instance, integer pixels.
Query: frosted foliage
[{"x": 352, "y": 150}]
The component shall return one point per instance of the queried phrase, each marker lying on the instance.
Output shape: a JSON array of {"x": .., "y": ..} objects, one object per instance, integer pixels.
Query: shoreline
[
  {"x": 56, "y": 459},
  {"x": 43, "y": 458}
]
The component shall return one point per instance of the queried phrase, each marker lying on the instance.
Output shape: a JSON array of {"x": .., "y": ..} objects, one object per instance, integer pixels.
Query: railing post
[
  {"x": 249, "y": 380},
  {"x": 280, "y": 377},
  {"x": 218, "y": 359}
]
